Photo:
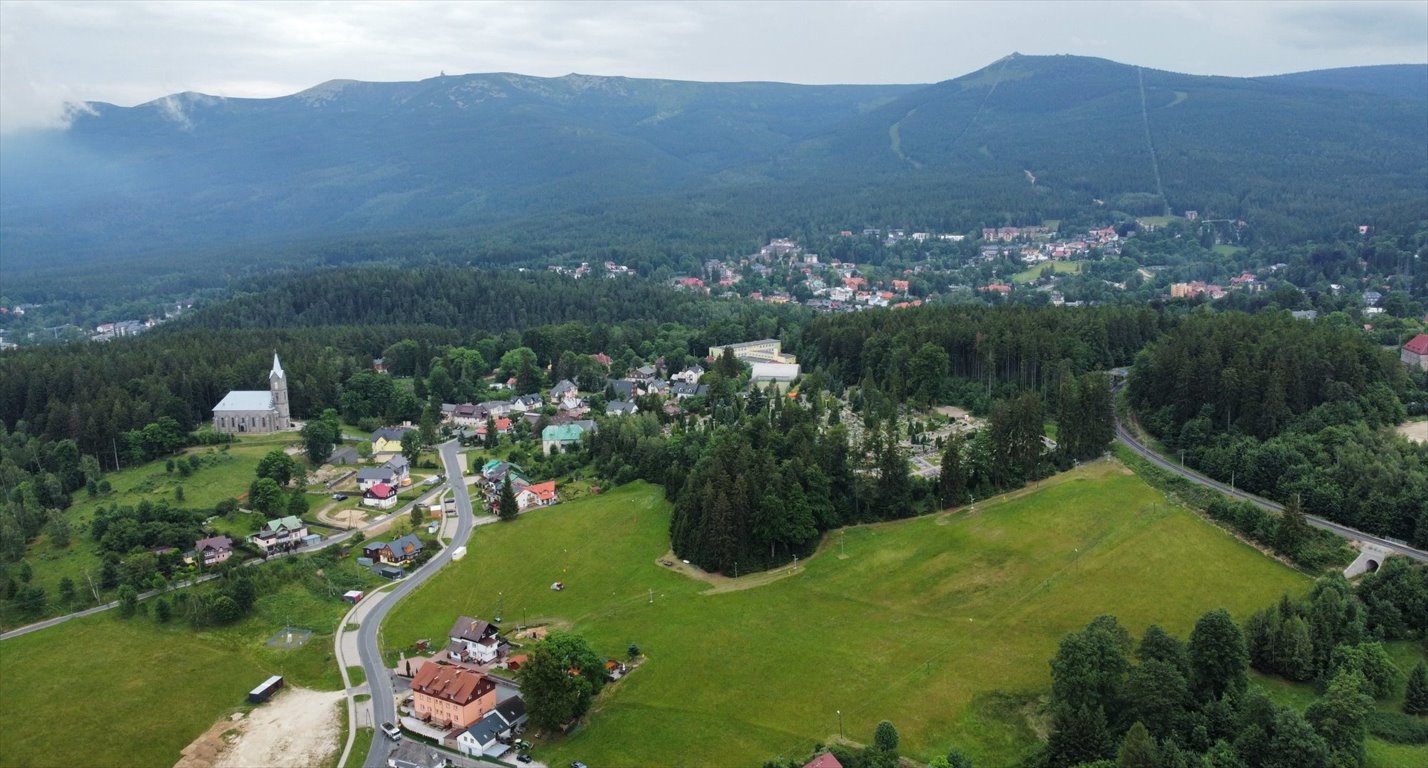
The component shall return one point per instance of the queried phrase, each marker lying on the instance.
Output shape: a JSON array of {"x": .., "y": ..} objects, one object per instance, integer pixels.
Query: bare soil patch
[
  {"x": 296, "y": 728},
  {"x": 1417, "y": 431}
]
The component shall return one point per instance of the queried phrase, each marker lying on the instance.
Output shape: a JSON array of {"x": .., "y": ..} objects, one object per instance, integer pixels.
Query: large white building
[{"x": 256, "y": 411}]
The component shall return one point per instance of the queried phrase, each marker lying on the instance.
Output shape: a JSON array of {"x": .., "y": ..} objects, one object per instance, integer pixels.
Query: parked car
[
  {"x": 523, "y": 758},
  {"x": 339, "y": 497},
  {"x": 393, "y": 732}
]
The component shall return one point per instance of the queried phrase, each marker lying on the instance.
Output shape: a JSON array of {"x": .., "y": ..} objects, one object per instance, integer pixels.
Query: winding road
[
  {"x": 379, "y": 677},
  {"x": 1344, "y": 531}
]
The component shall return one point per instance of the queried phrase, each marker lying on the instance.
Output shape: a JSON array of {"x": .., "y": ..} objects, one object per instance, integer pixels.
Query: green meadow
[
  {"x": 943, "y": 624},
  {"x": 1059, "y": 267},
  {"x": 150, "y": 688}
]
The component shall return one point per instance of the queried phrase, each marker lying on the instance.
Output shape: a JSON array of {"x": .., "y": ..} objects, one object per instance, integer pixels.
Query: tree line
[{"x": 1161, "y": 702}]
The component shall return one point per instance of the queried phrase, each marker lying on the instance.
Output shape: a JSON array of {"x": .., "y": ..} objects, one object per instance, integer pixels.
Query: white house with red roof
[
  {"x": 537, "y": 495},
  {"x": 381, "y": 496},
  {"x": 1415, "y": 352}
]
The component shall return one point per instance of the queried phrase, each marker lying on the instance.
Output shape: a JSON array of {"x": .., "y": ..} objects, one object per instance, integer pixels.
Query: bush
[{"x": 1398, "y": 727}]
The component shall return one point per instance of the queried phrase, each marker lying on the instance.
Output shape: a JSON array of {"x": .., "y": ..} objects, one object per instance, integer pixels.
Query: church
[{"x": 256, "y": 411}]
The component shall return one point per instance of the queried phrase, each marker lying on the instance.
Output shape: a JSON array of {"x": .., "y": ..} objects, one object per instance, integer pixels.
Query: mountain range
[{"x": 1025, "y": 137}]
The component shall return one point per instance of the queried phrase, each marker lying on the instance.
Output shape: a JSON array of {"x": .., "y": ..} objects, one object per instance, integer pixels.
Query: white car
[{"x": 393, "y": 732}]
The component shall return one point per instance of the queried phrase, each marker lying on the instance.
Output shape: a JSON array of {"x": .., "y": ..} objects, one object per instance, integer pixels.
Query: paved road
[
  {"x": 379, "y": 677},
  {"x": 1344, "y": 531},
  {"x": 328, "y": 542}
]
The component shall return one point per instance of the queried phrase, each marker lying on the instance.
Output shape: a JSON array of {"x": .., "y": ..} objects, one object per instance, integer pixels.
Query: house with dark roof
[
  {"x": 621, "y": 408},
  {"x": 409, "y": 754},
  {"x": 483, "y": 737},
  {"x": 1415, "y": 352},
  {"x": 370, "y": 476},
  {"x": 344, "y": 456},
  {"x": 474, "y": 640},
  {"x": 398, "y": 552},
  {"x": 683, "y": 391},
  {"x": 213, "y": 550},
  {"x": 562, "y": 388},
  {"x": 387, "y": 442},
  {"x": 512, "y": 711}
]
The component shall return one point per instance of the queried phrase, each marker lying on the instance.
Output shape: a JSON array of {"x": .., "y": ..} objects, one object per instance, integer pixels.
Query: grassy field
[
  {"x": 943, "y": 624},
  {"x": 150, "y": 688},
  {"x": 1060, "y": 267},
  {"x": 1229, "y": 250}
]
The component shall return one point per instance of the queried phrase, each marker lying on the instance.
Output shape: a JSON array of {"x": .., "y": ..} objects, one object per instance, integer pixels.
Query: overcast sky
[{"x": 131, "y": 52}]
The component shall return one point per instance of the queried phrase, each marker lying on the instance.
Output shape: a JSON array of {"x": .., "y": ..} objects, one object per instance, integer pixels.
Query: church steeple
[{"x": 278, "y": 386}]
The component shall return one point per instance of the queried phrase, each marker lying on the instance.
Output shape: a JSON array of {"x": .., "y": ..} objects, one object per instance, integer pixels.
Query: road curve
[
  {"x": 1126, "y": 437},
  {"x": 379, "y": 677}
]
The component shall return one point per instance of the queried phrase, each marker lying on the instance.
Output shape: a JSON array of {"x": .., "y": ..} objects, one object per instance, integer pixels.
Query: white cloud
[{"x": 134, "y": 52}]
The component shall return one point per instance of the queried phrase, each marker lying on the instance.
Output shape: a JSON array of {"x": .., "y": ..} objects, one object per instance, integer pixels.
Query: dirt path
[
  {"x": 297, "y": 728},
  {"x": 1417, "y": 431}
]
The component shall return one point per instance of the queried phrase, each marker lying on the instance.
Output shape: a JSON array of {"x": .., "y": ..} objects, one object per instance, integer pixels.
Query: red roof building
[
  {"x": 1415, "y": 352},
  {"x": 825, "y": 760}
]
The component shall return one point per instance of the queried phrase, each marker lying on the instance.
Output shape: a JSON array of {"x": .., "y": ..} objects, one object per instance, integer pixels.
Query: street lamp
[{"x": 840, "y": 723}]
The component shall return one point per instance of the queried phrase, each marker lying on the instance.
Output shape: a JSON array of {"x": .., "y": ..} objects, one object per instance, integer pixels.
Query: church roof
[
  {"x": 246, "y": 400},
  {"x": 277, "y": 366}
]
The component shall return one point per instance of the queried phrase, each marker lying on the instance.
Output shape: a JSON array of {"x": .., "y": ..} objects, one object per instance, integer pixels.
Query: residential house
[
  {"x": 474, "y": 639},
  {"x": 512, "y": 711},
  {"x": 454, "y": 696},
  {"x": 213, "y": 550},
  {"x": 380, "y": 496},
  {"x": 825, "y": 760},
  {"x": 503, "y": 427},
  {"x": 409, "y": 754},
  {"x": 537, "y": 495},
  {"x": 371, "y": 476},
  {"x": 643, "y": 372},
  {"x": 621, "y": 408},
  {"x": 1415, "y": 352},
  {"x": 467, "y": 415},
  {"x": 483, "y": 738},
  {"x": 626, "y": 389},
  {"x": 397, "y": 552},
  {"x": 494, "y": 408},
  {"x": 401, "y": 470},
  {"x": 280, "y": 535},
  {"x": 559, "y": 436},
  {"x": 561, "y": 388},
  {"x": 571, "y": 403},
  {"x": 683, "y": 391},
  {"x": 1372, "y": 298},
  {"x": 495, "y": 471},
  {"x": 523, "y": 403},
  {"x": 387, "y": 442},
  {"x": 344, "y": 456}
]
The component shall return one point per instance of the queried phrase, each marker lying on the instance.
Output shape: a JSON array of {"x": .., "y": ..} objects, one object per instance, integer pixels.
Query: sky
[{"x": 58, "y": 53}]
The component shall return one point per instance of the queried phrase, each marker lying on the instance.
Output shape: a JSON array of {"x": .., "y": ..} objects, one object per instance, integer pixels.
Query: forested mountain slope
[{"x": 617, "y": 161}]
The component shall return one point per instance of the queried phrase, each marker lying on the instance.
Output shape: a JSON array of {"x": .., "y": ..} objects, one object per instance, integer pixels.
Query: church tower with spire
[{"x": 278, "y": 385}]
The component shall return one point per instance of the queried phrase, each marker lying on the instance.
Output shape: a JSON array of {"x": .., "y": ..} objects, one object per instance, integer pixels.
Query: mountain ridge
[{"x": 351, "y": 157}]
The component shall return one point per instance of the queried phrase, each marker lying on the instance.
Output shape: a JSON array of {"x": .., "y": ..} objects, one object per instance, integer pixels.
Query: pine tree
[
  {"x": 1138, "y": 750},
  {"x": 1415, "y": 698},
  {"x": 506, "y": 506},
  {"x": 952, "y": 481},
  {"x": 1078, "y": 736}
]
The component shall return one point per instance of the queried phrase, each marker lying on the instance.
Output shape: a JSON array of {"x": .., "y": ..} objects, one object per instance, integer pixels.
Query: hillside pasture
[{"x": 943, "y": 624}]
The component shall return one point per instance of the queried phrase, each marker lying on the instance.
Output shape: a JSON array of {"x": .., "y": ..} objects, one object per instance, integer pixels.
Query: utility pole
[
  {"x": 115, "y": 445},
  {"x": 651, "y": 596},
  {"x": 840, "y": 723}
]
